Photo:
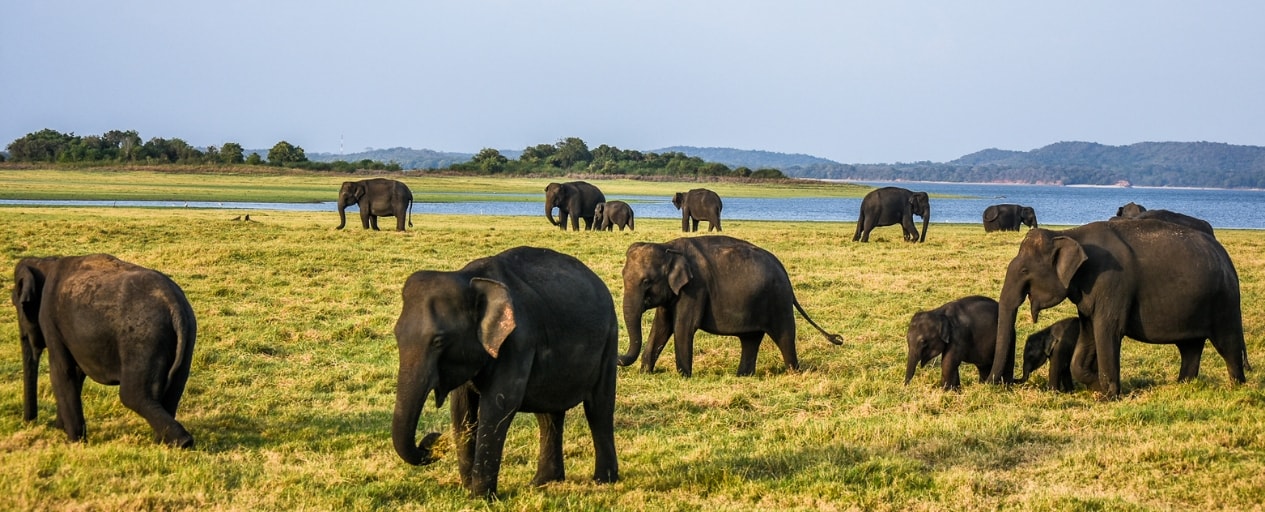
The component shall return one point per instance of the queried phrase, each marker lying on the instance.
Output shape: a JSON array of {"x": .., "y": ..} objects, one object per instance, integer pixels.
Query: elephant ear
[
  {"x": 990, "y": 214},
  {"x": 359, "y": 191},
  {"x": 1068, "y": 257},
  {"x": 678, "y": 271},
  {"x": 24, "y": 291},
  {"x": 947, "y": 326},
  {"x": 496, "y": 313}
]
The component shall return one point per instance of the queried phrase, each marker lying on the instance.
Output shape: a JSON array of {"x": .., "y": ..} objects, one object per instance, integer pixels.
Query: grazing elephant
[
  {"x": 119, "y": 323},
  {"x": 1008, "y": 217},
  {"x": 893, "y": 205},
  {"x": 1153, "y": 281},
  {"x": 613, "y": 213},
  {"x": 698, "y": 205},
  {"x": 526, "y": 330},
  {"x": 960, "y": 331},
  {"x": 1131, "y": 209},
  {"x": 1056, "y": 344},
  {"x": 1171, "y": 216},
  {"x": 576, "y": 199},
  {"x": 377, "y": 197},
  {"x": 719, "y": 284}
]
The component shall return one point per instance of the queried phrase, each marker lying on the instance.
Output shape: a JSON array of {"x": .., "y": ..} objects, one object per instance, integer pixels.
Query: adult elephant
[
  {"x": 613, "y": 213},
  {"x": 1130, "y": 209},
  {"x": 1153, "y": 281},
  {"x": 376, "y": 197},
  {"x": 1008, "y": 217},
  {"x": 960, "y": 331},
  {"x": 719, "y": 284},
  {"x": 698, "y": 205},
  {"x": 526, "y": 330},
  {"x": 574, "y": 199},
  {"x": 116, "y": 322},
  {"x": 893, "y": 205}
]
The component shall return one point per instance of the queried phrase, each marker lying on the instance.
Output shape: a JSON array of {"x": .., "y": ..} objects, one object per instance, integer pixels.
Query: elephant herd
[
  {"x": 1155, "y": 276},
  {"x": 533, "y": 330}
]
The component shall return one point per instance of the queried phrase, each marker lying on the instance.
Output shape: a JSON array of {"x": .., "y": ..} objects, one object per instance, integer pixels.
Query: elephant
[
  {"x": 116, "y": 322},
  {"x": 526, "y": 330},
  {"x": 1170, "y": 216},
  {"x": 576, "y": 199},
  {"x": 377, "y": 197},
  {"x": 960, "y": 331},
  {"x": 719, "y": 284},
  {"x": 1055, "y": 344},
  {"x": 1008, "y": 217},
  {"x": 613, "y": 213},
  {"x": 893, "y": 205},
  {"x": 698, "y": 205},
  {"x": 1150, "y": 280},
  {"x": 1131, "y": 209}
]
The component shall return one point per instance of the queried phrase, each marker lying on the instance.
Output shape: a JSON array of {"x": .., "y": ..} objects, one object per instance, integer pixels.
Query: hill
[
  {"x": 752, "y": 159},
  {"x": 408, "y": 158}
]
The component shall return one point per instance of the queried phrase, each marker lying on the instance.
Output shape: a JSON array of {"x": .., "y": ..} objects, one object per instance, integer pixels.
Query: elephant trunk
[
  {"x": 1007, "y": 309},
  {"x": 410, "y": 398},
  {"x": 911, "y": 364},
  {"x": 632, "y": 319},
  {"x": 549, "y": 211},
  {"x": 342, "y": 213},
  {"x": 925, "y": 219},
  {"x": 30, "y": 380}
]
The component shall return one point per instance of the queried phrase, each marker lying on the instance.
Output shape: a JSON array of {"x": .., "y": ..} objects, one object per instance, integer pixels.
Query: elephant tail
[
  {"x": 410, "y": 213},
  {"x": 833, "y": 338},
  {"x": 186, "y": 327}
]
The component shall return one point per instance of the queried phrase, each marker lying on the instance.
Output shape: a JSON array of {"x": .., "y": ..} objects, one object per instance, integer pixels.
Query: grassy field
[{"x": 292, "y": 387}]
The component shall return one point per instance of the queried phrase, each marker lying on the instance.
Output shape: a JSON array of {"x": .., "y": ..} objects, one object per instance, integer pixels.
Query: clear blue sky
[{"x": 856, "y": 82}]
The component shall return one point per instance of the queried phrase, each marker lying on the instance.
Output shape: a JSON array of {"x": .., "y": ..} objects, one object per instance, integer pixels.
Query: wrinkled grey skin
[
  {"x": 1008, "y": 217},
  {"x": 527, "y": 330},
  {"x": 377, "y": 197},
  {"x": 719, "y": 284},
  {"x": 1169, "y": 216},
  {"x": 613, "y": 213},
  {"x": 1130, "y": 210},
  {"x": 1150, "y": 280},
  {"x": 574, "y": 199},
  {"x": 1055, "y": 344},
  {"x": 893, "y": 205},
  {"x": 116, "y": 322},
  {"x": 698, "y": 205},
  {"x": 960, "y": 331}
]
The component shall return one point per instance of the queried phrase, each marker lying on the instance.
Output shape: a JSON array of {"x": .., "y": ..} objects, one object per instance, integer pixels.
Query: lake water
[{"x": 1055, "y": 205}]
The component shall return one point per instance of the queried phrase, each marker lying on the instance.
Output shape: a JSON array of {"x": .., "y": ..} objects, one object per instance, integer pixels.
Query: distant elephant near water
[
  {"x": 893, "y": 205},
  {"x": 1008, "y": 217},
  {"x": 698, "y": 205},
  {"x": 377, "y": 197},
  {"x": 613, "y": 213},
  {"x": 574, "y": 199}
]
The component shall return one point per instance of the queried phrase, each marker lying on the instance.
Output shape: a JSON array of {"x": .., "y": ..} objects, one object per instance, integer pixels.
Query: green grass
[{"x": 293, "y": 384}]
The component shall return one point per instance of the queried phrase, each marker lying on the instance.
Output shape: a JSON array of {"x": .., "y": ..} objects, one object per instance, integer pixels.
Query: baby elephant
[
  {"x": 613, "y": 213},
  {"x": 1057, "y": 344},
  {"x": 961, "y": 331},
  {"x": 119, "y": 323}
]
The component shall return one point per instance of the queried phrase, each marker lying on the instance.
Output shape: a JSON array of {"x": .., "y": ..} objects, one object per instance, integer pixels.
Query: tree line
[
  {"x": 573, "y": 156},
  {"x": 126, "y": 146}
]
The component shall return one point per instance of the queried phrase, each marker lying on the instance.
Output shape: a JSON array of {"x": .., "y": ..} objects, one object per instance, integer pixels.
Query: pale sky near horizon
[{"x": 855, "y": 82}]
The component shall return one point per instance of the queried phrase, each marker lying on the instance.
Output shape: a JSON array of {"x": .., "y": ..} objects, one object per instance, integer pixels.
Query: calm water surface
[{"x": 1055, "y": 205}]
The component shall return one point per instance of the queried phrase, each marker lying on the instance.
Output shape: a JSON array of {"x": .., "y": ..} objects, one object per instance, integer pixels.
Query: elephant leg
[
  {"x": 463, "y": 403},
  {"x": 860, "y": 225},
  {"x": 1084, "y": 367},
  {"x": 660, "y": 331},
  {"x": 400, "y": 218},
  {"x": 865, "y": 232},
  {"x": 1228, "y": 340},
  {"x": 373, "y": 221},
  {"x": 911, "y": 231},
  {"x": 495, "y": 417},
  {"x": 714, "y": 224},
  {"x": 575, "y": 223},
  {"x": 549, "y": 462},
  {"x": 67, "y": 382},
  {"x": 683, "y": 330},
  {"x": 137, "y": 391},
  {"x": 784, "y": 338},
  {"x": 984, "y": 370},
  {"x": 685, "y": 220},
  {"x": 1192, "y": 352},
  {"x": 750, "y": 349},
  {"x": 949, "y": 376},
  {"x": 599, "y": 410},
  {"x": 1107, "y": 342}
]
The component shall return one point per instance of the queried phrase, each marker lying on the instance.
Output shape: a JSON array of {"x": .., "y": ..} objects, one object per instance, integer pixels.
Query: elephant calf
[
  {"x": 119, "y": 323},
  {"x": 1056, "y": 344},
  {"x": 609, "y": 214},
  {"x": 960, "y": 331}
]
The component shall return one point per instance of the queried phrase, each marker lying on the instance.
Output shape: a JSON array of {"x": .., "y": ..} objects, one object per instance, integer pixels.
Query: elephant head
[
  {"x": 28, "y": 288},
  {"x": 349, "y": 194},
  {"x": 653, "y": 276},
  {"x": 599, "y": 216},
  {"x": 1036, "y": 351},
  {"x": 1131, "y": 209},
  {"x": 1042, "y": 274},
  {"x": 929, "y": 336},
  {"x": 556, "y": 195},
  {"x": 920, "y": 205},
  {"x": 678, "y": 200},
  {"x": 451, "y": 327},
  {"x": 1028, "y": 216}
]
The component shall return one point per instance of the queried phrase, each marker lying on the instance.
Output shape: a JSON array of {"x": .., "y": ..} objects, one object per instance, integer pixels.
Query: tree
[
  {"x": 490, "y": 160},
  {"x": 254, "y": 159},
  {"x": 538, "y": 153},
  {"x": 232, "y": 153},
  {"x": 571, "y": 151},
  {"x": 46, "y": 145},
  {"x": 283, "y": 153}
]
